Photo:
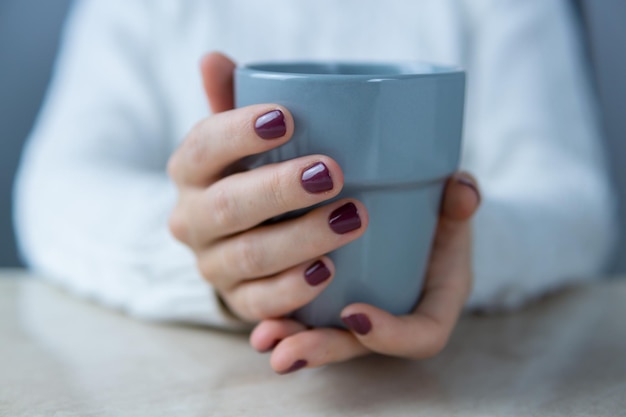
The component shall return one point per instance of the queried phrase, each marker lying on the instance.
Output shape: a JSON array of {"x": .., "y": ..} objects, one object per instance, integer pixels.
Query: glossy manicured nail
[
  {"x": 271, "y": 125},
  {"x": 316, "y": 179},
  {"x": 316, "y": 274},
  {"x": 468, "y": 183},
  {"x": 297, "y": 365},
  {"x": 272, "y": 346},
  {"x": 358, "y": 323},
  {"x": 345, "y": 219}
]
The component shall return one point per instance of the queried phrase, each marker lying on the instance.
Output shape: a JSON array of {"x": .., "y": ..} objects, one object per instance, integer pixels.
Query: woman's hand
[
  {"x": 260, "y": 271},
  {"x": 421, "y": 334}
]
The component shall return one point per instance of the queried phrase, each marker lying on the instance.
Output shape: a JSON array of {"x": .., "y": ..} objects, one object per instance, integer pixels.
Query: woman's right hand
[{"x": 260, "y": 271}]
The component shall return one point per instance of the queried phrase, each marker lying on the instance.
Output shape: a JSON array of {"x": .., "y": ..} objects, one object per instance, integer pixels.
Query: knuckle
[
  {"x": 236, "y": 302},
  {"x": 178, "y": 227},
  {"x": 313, "y": 240},
  {"x": 277, "y": 191},
  {"x": 249, "y": 256},
  {"x": 223, "y": 209},
  {"x": 434, "y": 346},
  {"x": 232, "y": 129},
  {"x": 206, "y": 268},
  {"x": 231, "y": 133},
  {"x": 252, "y": 310},
  {"x": 194, "y": 147}
]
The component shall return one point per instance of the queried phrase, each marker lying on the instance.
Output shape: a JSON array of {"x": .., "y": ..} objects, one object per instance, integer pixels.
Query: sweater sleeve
[
  {"x": 548, "y": 216},
  {"x": 92, "y": 196}
]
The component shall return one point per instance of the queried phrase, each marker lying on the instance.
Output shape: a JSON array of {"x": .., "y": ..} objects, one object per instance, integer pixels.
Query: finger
[
  {"x": 218, "y": 141},
  {"x": 461, "y": 197},
  {"x": 417, "y": 336},
  {"x": 242, "y": 201},
  {"x": 448, "y": 282},
  {"x": 451, "y": 250},
  {"x": 313, "y": 348},
  {"x": 217, "y": 76},
  {"x": 281, "y": 294},
  {"x": 268, "y": 250},
  {"x": 268, "y": 333}
]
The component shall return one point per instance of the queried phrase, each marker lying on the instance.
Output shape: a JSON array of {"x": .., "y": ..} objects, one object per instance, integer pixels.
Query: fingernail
[
  {"x": 468, "y": 183},
  {"x": 271, "y": 125},
  {"x": 297, "y": 365},
  {"x": 316, "y": 274},
  {"x": 345, "y": 219},
  {"x": 358, "y": 323},
  {"x": 316, "y": 179},
  {"x": 272, "y": 346}
]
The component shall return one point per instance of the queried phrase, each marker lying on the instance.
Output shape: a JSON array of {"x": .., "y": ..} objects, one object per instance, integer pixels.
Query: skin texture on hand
[
  {"x": 419, "y": 335},
  {"x": 254, "y": 266},
  {"x": 258, "y": 271}
]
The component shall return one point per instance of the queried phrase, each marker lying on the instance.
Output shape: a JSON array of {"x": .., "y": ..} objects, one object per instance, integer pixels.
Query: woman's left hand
[{"x": 419, "y": 335}]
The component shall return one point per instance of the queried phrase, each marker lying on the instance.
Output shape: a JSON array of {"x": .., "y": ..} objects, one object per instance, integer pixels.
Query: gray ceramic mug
[{"x": 395, "y": 129}]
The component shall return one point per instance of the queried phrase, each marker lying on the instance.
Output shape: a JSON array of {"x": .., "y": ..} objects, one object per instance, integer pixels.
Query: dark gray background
[
  {"x": 29, "y": 31},
  {"x": 606, "y": 32}
]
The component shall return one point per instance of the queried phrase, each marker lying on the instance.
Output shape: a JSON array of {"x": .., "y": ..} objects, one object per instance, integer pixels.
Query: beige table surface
[{"x": 59, "y": 356}]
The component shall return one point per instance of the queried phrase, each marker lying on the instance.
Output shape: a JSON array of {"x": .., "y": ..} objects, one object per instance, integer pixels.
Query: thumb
[
  {"x": 450, "y": 256},
  {"x": 461, "y": 198},
  {"x": 217, "y": 77}
]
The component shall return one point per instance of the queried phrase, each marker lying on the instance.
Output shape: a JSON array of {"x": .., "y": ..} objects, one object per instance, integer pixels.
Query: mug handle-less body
[{"x": 397, "y": 138}]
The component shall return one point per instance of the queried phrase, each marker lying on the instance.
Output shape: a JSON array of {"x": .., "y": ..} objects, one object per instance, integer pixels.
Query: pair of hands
[{"x": 263, "y": 272}]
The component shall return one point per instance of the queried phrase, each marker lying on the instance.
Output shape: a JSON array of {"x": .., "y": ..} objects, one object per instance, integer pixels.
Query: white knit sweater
[{"x": 92, "y": 194}]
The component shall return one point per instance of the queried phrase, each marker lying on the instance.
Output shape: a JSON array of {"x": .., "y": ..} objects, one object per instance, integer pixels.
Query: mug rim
[{"x": 325, "y": 68}]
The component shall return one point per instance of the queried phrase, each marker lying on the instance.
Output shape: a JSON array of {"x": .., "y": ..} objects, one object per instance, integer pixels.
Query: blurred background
[{"x": 29, "y": 35}]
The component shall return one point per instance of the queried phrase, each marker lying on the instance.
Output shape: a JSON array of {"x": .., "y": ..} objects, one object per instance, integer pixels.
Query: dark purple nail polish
[
  {"x": 272, "y": 346},
  {"x": 316, "y": 274},
  {"x": 316, "y": 179},
  {"x": 297, "y": 365},
  {"x": 345, "y": 219},
  {"x": 468, "y": 183},
  {"x": 271, "y": 125},
  {"x": 358, "y": 323}
]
